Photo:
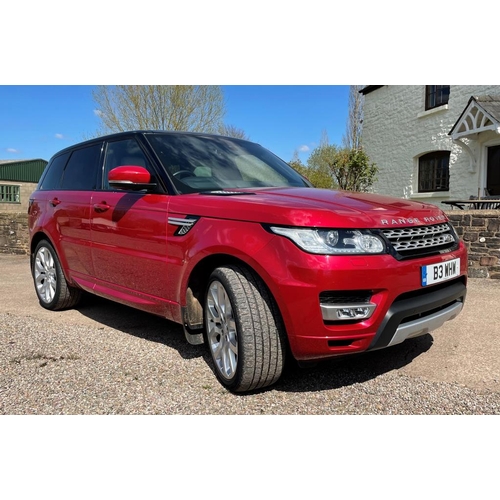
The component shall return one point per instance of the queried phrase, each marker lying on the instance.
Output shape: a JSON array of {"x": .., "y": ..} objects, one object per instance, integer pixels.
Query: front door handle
[
  {"x": 101, "y": 207},
  {"x": 55, "y": 201}
]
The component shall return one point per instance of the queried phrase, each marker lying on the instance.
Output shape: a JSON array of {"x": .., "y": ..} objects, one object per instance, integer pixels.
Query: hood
[{"x": 308, "y": 207}]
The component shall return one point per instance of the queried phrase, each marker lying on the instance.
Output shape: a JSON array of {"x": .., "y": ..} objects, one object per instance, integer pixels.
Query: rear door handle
[
  {"x": 101, "y": 207},
  {"x": 55, "y": 201}
]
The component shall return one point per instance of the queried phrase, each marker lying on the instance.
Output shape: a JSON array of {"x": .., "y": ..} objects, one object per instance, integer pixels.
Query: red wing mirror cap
[{"x": 130, "y": 177}]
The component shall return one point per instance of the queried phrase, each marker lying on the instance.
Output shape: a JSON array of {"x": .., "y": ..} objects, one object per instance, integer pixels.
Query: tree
[
  {"x": 353, "y": 171},
  {"x": 354, "y": 126},
  {"x": 348, "y": 169},
  {"x": 232, "y": 131},
  {"x": 196, "y": 108},
  {"x": 318, "y": 176},
  {"x": 316, "y": 171},
  {"x": 318, "y": 165}
]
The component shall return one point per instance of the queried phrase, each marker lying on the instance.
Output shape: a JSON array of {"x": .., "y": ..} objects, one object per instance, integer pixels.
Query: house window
[
  {"x": 436, "y": 95},
  {"x": 10, "y": 194},
  {"x": 434, "y": 172}
]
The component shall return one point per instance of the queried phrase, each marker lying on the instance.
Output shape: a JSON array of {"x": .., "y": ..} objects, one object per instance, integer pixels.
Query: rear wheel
[
  {"x": 244, "y": 330},
  {"x": 51, "y": 286}
]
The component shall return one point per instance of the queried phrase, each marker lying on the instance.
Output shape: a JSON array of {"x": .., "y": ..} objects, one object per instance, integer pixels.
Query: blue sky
[{"x": 36, "y": 121}]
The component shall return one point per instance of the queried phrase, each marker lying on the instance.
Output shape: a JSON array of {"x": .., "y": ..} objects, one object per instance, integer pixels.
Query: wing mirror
[{"x": 130, "y": 177}]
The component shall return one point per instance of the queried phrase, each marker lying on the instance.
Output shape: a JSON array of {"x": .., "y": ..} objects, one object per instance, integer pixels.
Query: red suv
[{"x": 223, "y": 237}]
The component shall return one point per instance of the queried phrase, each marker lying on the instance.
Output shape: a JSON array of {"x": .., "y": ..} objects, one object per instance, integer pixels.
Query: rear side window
[
  {"x": 80, "y": 173},
  {"x": 54, "y": 172}
]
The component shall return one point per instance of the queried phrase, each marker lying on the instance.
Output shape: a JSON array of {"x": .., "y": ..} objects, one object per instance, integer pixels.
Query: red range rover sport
[{"x": 223, "y": 237}]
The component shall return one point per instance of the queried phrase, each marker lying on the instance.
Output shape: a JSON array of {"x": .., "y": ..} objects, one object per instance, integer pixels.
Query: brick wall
[
  {"x": 25, "y": 188},
  {"x": 480, "y": 230},
  {"x": 14, "y": 237}
]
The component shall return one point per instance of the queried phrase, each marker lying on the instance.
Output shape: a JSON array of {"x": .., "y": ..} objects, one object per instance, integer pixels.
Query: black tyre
[
  {"x": 51, "y": 286},
  {"x": 244, "y": 330}
]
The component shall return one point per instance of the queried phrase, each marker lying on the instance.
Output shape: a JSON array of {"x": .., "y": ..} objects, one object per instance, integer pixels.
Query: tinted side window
[
  {"x": 53, "y": 173},
  {"x": 80, "y": 173}
]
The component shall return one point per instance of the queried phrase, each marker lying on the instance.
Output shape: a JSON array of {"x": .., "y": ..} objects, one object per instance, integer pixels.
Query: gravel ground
[{"x": 104, "y": 358}]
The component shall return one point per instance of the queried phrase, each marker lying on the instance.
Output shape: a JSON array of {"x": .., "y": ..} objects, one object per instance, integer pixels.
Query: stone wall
[
  {"x": 14, "y": 237},
  {"x": 480, "y": 230}
]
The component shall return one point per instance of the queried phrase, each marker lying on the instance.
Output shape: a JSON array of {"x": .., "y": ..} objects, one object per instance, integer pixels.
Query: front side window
[
  {"x": 436, "y": 95},
  {"x": 122, "y": 153},
  {"x": 434, "y": 172},
  {"x": 10, "y": 193}
]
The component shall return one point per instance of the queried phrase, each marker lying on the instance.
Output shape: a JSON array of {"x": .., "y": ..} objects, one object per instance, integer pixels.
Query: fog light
[
  {"x": 347, "y": 312},
  {"x": 353, "y": 312}
]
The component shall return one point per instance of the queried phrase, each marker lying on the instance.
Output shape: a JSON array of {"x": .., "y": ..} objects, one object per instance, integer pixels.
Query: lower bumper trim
[
  {"x": 425, "y": 325},
  {"x": 411, "y": 314}
]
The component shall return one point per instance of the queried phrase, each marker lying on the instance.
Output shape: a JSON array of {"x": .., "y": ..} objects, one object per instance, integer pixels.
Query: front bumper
[{"x": 404, "y": 307}]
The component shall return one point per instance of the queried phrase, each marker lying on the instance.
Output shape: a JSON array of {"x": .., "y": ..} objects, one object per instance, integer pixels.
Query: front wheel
[
  {"x": 244, "y": 330},
  {"x": 51, "y": 286}
]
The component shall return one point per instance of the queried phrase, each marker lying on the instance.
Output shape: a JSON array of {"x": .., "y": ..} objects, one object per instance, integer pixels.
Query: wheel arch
[
  {"x": 65, "y": 296},
  {"x": 35, "y": 239},
  {"x": 192, "y": 311},
  {"x": 196, "y": 285}
]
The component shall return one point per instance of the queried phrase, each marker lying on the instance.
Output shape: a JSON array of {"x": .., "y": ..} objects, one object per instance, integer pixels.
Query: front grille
[{"x": 410, "y": 242}]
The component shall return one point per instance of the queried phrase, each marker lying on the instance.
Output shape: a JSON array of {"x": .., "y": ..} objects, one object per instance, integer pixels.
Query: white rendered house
[{"x": 433, "y": 142}]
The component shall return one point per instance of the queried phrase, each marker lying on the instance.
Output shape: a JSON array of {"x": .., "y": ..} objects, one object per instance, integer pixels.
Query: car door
[
  {"x": 68, "y": 189},
  {"x": 129, "y": 239}
]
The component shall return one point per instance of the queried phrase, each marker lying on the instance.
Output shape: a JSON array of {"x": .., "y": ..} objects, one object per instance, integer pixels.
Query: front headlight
[
  {"x": 333, "y": 241},
  {"x": 453, "y": 231}
]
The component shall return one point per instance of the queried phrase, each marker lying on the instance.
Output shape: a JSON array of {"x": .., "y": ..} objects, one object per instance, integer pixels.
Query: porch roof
[{"x": 481, "y": 113}]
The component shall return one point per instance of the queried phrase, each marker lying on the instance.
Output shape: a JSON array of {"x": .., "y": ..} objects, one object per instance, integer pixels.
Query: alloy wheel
[
  {"x": 221, "y": 330},
  {"x": 45, "y": 275}
]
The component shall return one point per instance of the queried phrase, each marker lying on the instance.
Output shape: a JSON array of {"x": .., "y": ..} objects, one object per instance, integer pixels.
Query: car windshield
[{"x": 198, "y": 163}]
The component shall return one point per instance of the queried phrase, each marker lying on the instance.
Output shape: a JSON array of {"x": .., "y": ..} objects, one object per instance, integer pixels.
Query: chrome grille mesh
[{"x": 408, "y": 241}]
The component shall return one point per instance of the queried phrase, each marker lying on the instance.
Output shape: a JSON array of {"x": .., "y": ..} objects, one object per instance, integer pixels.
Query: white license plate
[{"x": 435, "y": 273}]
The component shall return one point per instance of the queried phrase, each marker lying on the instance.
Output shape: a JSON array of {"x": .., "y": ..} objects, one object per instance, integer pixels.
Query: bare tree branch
[
  {"x": 195, "y": 108},
  {"x": 354, "y": 128}
]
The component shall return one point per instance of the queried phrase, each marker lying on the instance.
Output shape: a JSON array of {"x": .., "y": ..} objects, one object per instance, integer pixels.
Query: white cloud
[
  {"x": 304, "y": 148},
  {"x": 59, "y": 136},
  {"x": 98, "y": 112},
  {"x": 12, "y": 150}
]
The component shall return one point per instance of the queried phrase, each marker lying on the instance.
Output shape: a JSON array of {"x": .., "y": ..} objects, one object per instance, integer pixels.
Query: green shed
[
  {"x": 18, "y": 179},
  {"x": 21, "y": 170}
]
